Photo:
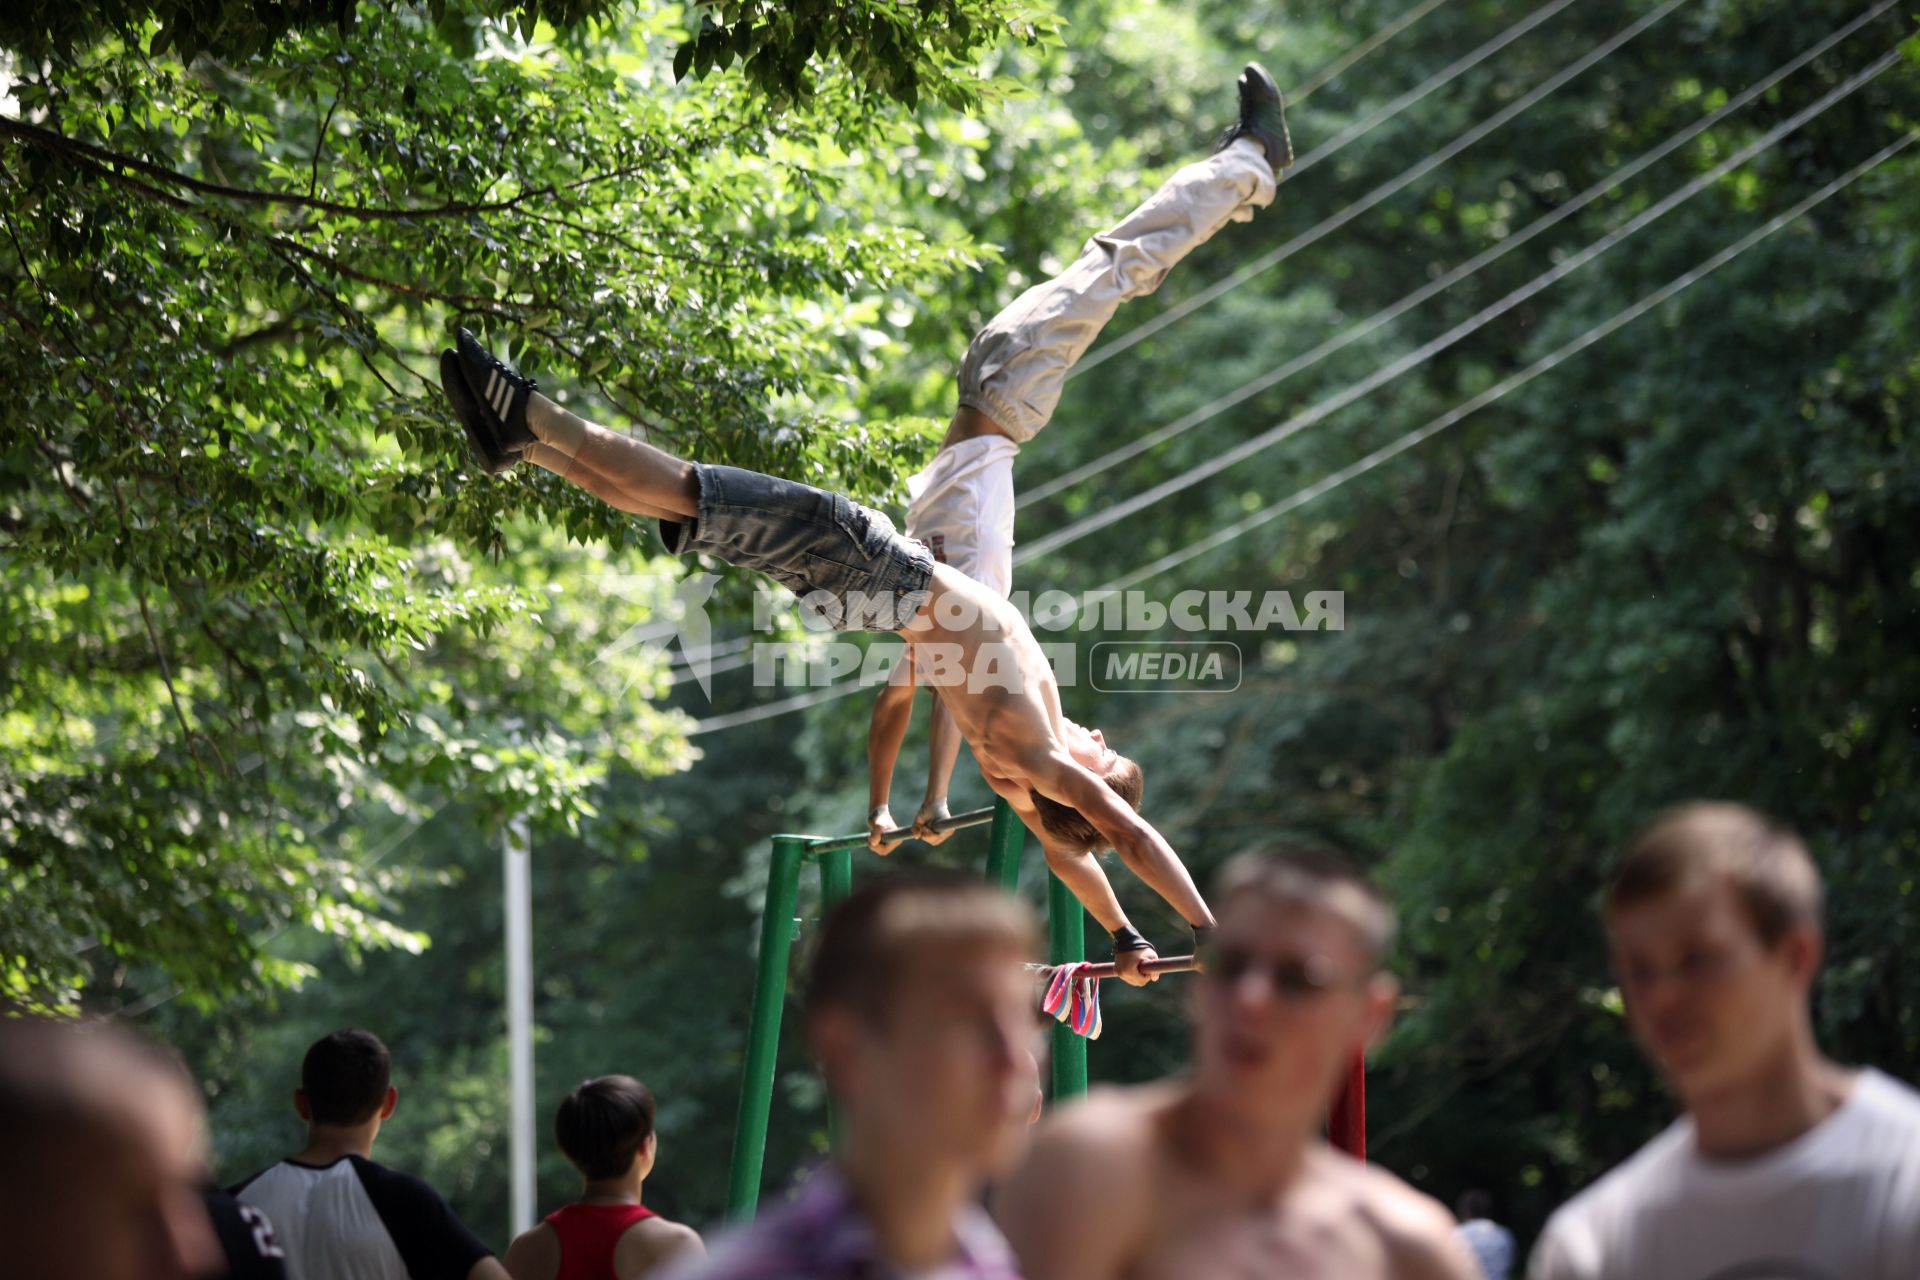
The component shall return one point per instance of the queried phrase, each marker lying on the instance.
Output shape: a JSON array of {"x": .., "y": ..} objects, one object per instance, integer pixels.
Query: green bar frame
[
  {"x": 836, "y": 882},
  {"x": 790, "y": 853},
  {"x": 1066, "y": 944},
  {"x": 1005, "y": 846},
  {"x": 763, "y": 1039}
]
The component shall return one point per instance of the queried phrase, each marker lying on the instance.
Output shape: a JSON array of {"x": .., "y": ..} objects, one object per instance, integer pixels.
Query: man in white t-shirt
[
  {"x": 337, "y": 1214},
  {"x": 1786, "y": 1166},
  {"x": 961, "y": 505}
]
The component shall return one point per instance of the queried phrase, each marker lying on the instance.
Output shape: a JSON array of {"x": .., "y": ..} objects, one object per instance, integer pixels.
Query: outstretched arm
[
  {"x": 1145, "y": 851},
  {"x": 1080, "y": 872},
  {"x": 943, "y": 751},
  {"x": 892, "y": 712}
]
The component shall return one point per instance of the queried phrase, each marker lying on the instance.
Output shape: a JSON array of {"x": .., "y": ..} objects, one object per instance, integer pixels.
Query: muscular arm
[
  {"x": 1147, "y": 854},
  {"x": 943, "y": 752},
  {"x": 892, "y": 712},
  {"x": 1080, "y": 872}
]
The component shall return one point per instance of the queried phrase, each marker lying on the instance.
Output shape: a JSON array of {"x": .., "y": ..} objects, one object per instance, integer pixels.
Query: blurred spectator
[
  {"x": 339, "y": 1215},
  {"x": 1785, "y": 1163},
  {"x": 605, "y": 1127},
  {"x": 1490, "y": 1243},
  {"x": 921, "y": 1017},
  {"x": 103, "y": 1158}
]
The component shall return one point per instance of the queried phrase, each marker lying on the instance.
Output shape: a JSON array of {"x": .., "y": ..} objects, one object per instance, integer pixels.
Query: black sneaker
[
  {"x": 502, "y": 393},
  {"x": 1263, "y": 117},
  {"x": 473, "y": 416}
]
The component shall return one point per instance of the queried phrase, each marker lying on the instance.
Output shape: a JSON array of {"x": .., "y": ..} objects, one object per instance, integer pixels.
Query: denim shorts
[{"x": 844, "y": 561}]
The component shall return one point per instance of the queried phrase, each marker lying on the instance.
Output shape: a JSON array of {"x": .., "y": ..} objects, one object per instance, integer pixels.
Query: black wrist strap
[{"x": 1128, "y": 938}]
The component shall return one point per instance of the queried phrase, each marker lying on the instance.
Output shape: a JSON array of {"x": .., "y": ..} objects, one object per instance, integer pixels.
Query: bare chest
[{"x": 1301, "y": 1238}]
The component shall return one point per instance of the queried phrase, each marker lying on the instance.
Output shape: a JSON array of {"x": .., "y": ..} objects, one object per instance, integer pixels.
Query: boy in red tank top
[{"x": 605, "y": 1127}]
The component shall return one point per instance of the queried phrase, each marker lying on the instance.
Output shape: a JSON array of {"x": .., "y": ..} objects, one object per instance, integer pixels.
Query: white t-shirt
[
  {"x": 357, "y": 1220},
  {"x": 1840, "y": 1202},
  {"x": 962, "y": 508}
]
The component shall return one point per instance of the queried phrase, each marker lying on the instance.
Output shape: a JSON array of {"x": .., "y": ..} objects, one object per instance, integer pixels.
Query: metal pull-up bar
[
  {"x": 1163, "y": 964},
  {"x": 832, "y": 844},
  {"x": 777, "y": 927},
  {"x": 1066, "y": 928}
]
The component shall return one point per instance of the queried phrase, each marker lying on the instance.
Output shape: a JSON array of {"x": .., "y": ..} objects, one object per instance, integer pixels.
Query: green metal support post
[
  {"x": 790, "y": 853},
  {"x": 836, "y": 882},
  {"x": 1066, "y": 944},
  {"x": 763, "y": 1040},
  {"x": 836, "y": 878},
  {"x": 1006, "y": 843}
]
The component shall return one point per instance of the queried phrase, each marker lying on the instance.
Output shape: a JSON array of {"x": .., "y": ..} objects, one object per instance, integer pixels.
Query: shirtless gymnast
[{"x": 846, "y": 561}]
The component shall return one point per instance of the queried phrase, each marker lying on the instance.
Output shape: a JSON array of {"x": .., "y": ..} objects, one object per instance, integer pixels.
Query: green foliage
[
  {"x": 258, "y": 588},
  {"x": 902, "y": 52},
  {"x": 886, "y": 51},
  {"x": 284, "y": 666}
]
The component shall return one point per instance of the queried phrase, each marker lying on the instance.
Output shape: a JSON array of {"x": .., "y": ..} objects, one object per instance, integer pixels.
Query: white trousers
[{"x": 1015, "y": 368}]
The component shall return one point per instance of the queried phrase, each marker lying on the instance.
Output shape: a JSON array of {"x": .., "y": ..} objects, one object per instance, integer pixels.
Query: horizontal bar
[
  {"x": 828, "y": 844},
  {"x": 1164, "y": 964}
]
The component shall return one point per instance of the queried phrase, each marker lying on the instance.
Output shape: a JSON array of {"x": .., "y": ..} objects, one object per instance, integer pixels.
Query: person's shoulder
[
  {"x": 1116, "y": 1129},
  {"x": 1888, "y": 1099},
  {"x": 1100, "y": 1150},
  {"x": 767, "y": 1248},
  {"x": 655, "y": 1242},
  {"x": 1416, "y": 1230},
  {"x": 254, "y": 1179},
  {"x": 392, "y": 1180},
  {"x": 432, "y": 1241},
  {"x": 534, "y": 1252},
  {"x": 1115, "y": 1112},
  {"x": 1588, "y": 1226}
]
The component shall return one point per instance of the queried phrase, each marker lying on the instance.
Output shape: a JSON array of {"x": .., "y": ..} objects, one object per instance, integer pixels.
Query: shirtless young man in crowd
[{"x": 1224, "y": 1174}]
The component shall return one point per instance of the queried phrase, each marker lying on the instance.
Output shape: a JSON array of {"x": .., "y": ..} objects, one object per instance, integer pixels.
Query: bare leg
[
  {"x": 651, "y": 477},
  {"x": 550, "y": 459}
]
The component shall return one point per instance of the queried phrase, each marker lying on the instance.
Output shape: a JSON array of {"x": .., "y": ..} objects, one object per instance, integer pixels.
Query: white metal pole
[{"x": 519, "y": 907}]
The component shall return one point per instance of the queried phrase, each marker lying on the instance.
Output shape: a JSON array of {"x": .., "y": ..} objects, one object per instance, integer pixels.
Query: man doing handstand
[
  {"x": 1010, "y": 380},
  {"x": 846, "y": 560}
]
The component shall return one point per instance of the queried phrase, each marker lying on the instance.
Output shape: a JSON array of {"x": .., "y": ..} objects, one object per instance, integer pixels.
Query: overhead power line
[
  {"x": 817, "y": 697},
  {"x": 1213, "y": 408},
  {"x": 1418, "y": 436},
  {"x": 736, "y": 651},
  {"x": 1267, "y": 261},
  {"x": 1299, "y": 422},
  {"x": 1345, "y": 62}
]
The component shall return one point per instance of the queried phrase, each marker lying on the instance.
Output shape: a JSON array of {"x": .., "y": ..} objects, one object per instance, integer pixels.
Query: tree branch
[
  {"x": 98, "y": 157},
  {"x": 320, "y": 144}
]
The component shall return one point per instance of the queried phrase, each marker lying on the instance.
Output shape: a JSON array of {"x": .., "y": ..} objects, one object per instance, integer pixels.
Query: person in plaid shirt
[{"x": 922, "y": 1020}]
